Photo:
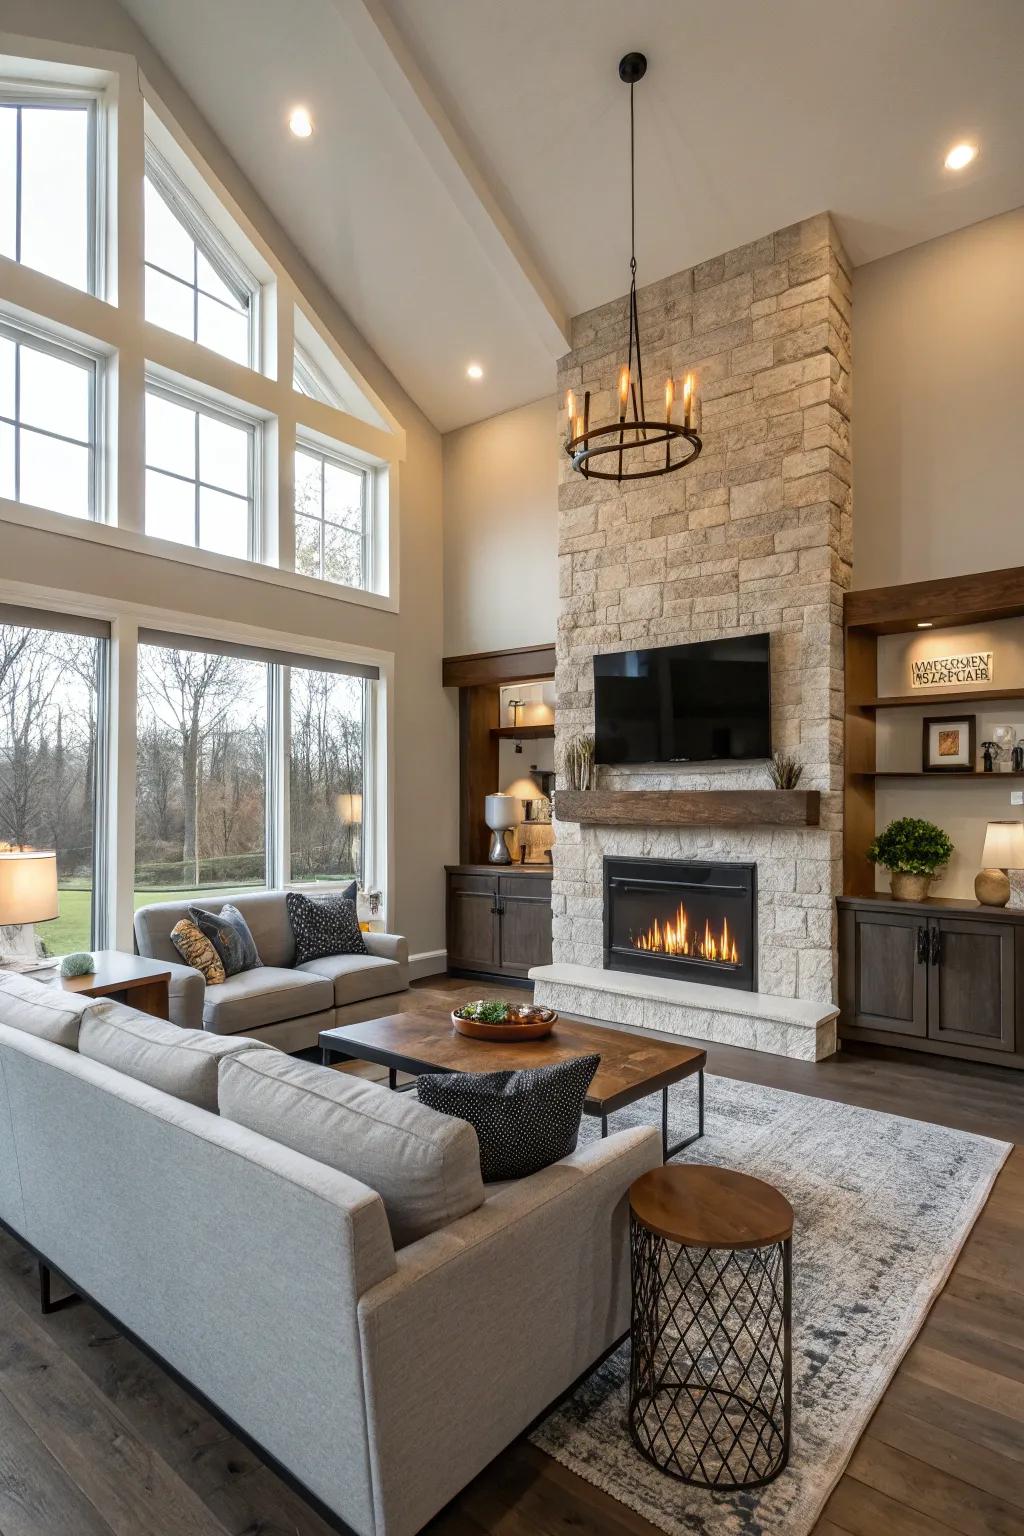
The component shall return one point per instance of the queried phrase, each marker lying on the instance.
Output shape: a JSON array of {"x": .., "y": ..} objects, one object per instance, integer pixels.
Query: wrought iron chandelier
[{"x": 635, "y": 442}]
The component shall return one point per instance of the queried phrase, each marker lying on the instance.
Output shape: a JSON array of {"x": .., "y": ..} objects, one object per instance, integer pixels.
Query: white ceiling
[{"x": 465, "y": 190}]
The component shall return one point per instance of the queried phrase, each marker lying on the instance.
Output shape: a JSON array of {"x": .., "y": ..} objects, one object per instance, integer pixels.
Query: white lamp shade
[
  {"x": 28, "y": 887},
  {"x": 1004, "y": 845},
  {"x": 502, "y": 812},
  {"x": 350, "y": 809}
]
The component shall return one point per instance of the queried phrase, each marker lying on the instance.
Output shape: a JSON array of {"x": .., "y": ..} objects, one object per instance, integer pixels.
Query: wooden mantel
[{"x": 690, "y": 807}]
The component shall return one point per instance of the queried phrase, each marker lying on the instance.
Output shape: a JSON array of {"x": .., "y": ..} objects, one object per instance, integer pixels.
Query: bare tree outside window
[
  {"x": 326, "y": 788},
  {"x": 201, "y": 776},
  {"x": 48, "y": 736}
]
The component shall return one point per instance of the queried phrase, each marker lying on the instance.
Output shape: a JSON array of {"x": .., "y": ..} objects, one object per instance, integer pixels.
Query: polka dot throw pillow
[
  {"x": 523, "y": 1120},
  {"x": 326, "y": 926}
]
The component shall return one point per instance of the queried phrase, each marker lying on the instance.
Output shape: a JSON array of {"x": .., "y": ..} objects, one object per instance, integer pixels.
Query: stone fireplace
[
  {"x": 686, "y": 918},
  {"x": 755, "y": 536}
]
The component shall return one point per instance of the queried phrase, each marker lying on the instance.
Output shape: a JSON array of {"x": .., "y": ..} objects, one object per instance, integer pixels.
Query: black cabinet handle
[
  {"x": 922, "y": 946},
  {"x": 936, "y": 952}
]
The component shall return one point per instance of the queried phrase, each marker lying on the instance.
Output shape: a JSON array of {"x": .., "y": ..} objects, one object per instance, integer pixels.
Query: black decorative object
[
  {"x": 1017, "y": 758},
  {"x": 988, "y": 757},
  {"x": 523, "y": 1120},
  {"x": 327, "y": 926},
  {"x": 634, "y": 443}
]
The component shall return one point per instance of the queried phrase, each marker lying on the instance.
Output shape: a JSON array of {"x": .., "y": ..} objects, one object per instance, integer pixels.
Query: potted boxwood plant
[{"x": 913, "y": 851}]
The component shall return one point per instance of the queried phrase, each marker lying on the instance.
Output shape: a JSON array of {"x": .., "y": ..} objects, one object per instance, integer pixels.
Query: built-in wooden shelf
[
  {"x": 920, "y": 773},
  {"x": 524, "y": 732},
  {"x": 968, "y": 696},
  {"x": 689, "y": 807}
]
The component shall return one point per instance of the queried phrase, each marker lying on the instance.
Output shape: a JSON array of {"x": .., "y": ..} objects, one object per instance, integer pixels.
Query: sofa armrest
[
  {"x": 187, "y": 992},
  {"x": 387, "y": 946},
  {"x": 486, "y": 1322}
]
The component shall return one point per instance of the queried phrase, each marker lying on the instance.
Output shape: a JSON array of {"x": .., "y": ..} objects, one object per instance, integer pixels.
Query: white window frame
[
  {"x": 311, "y": 381},
  {"x": 26, "y": 95},
  {"x": 318, "y": 450},
  {"x": 194, "y": 401},
  {"x": 211, "y": 243},
  {"x": 39, "y": 340}
]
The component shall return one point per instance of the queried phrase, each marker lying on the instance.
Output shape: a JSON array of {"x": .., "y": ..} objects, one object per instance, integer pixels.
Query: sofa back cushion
[
  {"x": 181, "y": 1062},
  {"x": 40, "y": 1008},
  {"x": 264, "y": 912},
  {"x": 425, "y": 1166}
]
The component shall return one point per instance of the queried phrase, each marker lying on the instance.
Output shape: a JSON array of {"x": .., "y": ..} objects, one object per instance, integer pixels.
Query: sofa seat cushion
[
  {"x": 357, "y": 977},
  {"x": 266, "y": 995},
  {"x": 424, "y": 1166},
  {"x": 181, "y": 1062},
  {"x": 41, "y": 1008}
]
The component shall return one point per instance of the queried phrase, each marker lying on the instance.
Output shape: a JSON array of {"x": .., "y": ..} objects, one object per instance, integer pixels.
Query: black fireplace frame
[{"x": 729, "y": 877}]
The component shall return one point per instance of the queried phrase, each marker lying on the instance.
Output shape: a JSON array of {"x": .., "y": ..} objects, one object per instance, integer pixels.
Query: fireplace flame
[{"x": 674, "y": 937}]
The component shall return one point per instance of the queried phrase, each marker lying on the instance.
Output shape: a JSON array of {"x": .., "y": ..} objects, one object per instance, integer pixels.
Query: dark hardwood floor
[{"x": 95, "y": 1440}]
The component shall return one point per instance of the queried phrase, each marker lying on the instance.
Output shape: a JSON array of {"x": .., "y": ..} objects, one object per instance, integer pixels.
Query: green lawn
[{"x": 70, "y": 930}]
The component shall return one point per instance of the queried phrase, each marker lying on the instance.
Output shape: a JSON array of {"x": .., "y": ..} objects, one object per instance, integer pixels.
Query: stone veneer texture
[{"x": 756, "y": 535}]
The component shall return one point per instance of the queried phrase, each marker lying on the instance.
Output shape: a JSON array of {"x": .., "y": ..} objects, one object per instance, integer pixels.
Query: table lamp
[
  {"x": 1004, "y": 849},
  {"x": 28, "y": 894},
  {"x": 501, "y": 813}
]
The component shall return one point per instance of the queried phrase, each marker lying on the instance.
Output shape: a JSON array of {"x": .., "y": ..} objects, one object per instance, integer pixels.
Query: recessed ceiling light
[
  {"x": 474, "y": 371},
  {"x": 960, "y": 156},
  {"x": 300, "y": 122},
  {"x": 924, "y": 624}
]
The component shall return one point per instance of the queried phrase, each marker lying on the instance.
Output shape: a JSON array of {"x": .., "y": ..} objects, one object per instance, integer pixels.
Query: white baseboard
[{"x": 431, "y": 962}]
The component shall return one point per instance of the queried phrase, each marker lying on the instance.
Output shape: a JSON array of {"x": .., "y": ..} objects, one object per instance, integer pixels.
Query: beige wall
[
  {"x": 501, "y": 531},
  {"x": 423, "y": 833},
  {"x": 939, "y": 346}
]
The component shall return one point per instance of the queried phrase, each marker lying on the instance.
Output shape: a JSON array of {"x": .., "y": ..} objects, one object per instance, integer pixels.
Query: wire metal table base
[{"x": 710, "y": 1390}]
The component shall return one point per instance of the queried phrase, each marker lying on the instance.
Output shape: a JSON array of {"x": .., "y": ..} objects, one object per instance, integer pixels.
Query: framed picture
[{"x": 949, "y": 744}]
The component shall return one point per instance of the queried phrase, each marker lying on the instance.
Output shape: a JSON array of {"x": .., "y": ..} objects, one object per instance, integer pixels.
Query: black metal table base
[
  {"x": 687, "y": 1141},
  {"x": 710, "y": 1390}
]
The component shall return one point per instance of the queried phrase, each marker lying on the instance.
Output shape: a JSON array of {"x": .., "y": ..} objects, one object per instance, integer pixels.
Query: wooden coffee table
[
  {"x": 131, "y": 979},
  {"x": 632, "y": 1067}
]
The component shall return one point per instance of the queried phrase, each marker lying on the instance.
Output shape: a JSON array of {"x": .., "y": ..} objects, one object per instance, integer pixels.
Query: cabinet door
[
  {"x": 472, "y": 922},
  {"x": 525, "y": 922},
  {"x": 884, "y": 971},
  {"x": 971, "y": 983}
]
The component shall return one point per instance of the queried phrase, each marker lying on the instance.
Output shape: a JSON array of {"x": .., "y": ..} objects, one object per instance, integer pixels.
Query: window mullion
[
  {"x": 17, "y": 417},
  {"x": 198, "y": 474},
  {"x": 17, "y": 183}
]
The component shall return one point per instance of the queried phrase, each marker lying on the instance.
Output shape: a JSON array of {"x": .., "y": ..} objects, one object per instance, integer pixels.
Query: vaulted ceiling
[{"x": 466, "y": 188}]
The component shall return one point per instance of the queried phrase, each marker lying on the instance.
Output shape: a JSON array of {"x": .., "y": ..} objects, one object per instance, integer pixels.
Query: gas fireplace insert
[{"x": 682, "y": 917}]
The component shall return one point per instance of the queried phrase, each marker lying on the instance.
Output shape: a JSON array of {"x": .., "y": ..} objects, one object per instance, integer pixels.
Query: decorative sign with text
[{"x": 939, "y": 670}]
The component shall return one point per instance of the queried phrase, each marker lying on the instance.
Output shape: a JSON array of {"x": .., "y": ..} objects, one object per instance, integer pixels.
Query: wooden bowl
[{"x": 521, "y": 1024}]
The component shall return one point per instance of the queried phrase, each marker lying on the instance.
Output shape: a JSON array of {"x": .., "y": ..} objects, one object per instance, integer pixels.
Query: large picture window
[
  {"x": 47, "y": 423},
  {"x": 331, "y": 517},
  {"x": 194, "y": 285},
  {"x": 47, "y": 174},
  {"x": 52, "y": 725},
  {"x": 200, "y": 475},
  {"x": 202, "y": 773}
]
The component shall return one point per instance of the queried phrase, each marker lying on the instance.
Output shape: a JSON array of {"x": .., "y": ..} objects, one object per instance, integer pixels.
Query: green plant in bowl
[
  {"x": 913, "y": 851},
  {"x": 491, "y": 1010}
]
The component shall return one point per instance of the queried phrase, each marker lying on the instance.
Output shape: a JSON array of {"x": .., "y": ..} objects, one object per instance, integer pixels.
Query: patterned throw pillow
[
  {"x": 196, "y": 950},
  {"x": 326, "y": 926},
  {"x": 229, "y": 934},
  {"x": 523, "y": 1120}
]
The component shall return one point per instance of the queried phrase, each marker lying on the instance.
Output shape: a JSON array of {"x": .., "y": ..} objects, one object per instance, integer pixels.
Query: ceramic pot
[{"x": 909, "y": 887}]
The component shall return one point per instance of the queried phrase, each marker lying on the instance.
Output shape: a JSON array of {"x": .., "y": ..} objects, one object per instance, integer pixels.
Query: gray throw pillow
[
  {"x": 229, "y": 934},
  {"x": 523, "y": 1120},
  {"x": 327, "y": 925}
]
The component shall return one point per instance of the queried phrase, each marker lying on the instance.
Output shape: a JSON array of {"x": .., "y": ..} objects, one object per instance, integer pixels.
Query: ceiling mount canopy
[{"x": 637, "y": 445}]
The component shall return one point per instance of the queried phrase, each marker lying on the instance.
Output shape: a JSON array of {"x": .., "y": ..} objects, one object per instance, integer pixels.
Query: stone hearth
[{"x": 755, "y": 536}]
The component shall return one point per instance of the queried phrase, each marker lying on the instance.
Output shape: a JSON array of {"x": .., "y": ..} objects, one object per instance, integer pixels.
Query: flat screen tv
[{"x": 696, "y": 703}]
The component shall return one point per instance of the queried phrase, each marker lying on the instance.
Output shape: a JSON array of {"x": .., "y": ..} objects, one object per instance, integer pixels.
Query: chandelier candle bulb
[
  {"x": 570, "y": 411},
  {"x": 670, "y": 395},
  {"x": 623, "y": 390},
  {"x": 688, "y": 401}
]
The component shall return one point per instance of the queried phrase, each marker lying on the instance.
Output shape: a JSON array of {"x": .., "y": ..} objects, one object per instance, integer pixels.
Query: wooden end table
[
  {"x": 711, "y": 1371},
  {"x": 130, "y": 979},
  {"x": 632, "y": 1067}
]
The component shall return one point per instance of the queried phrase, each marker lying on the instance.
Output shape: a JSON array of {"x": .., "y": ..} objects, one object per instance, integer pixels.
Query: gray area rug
[{"x": 883, "y": 1206}]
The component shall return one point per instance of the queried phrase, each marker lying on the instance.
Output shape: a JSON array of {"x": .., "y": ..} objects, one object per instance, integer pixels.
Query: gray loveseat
[
  {"x": 173, "y": 1182},
  {"x": 280, "y": 1003}
]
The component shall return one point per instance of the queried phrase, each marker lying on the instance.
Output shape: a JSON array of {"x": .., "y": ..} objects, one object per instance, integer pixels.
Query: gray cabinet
[
  {"x": 938, "y": 976},
  {"x": 498, "y": 919}
]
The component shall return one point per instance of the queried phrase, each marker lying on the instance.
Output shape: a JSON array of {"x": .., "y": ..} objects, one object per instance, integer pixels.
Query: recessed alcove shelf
[{"x": 690, "y": 807}]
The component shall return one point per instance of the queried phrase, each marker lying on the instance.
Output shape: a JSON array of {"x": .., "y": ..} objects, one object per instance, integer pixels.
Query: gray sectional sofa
[
  {"x": 280, "y": 1003},
  {"x": 381, "y": 1341}
]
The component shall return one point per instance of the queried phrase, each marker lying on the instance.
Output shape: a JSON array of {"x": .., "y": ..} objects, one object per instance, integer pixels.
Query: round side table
[{"x": 710, "y": 1387}]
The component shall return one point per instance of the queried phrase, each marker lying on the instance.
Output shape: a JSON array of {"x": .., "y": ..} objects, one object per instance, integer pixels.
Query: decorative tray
[{"x": 498, "y": 1020}]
